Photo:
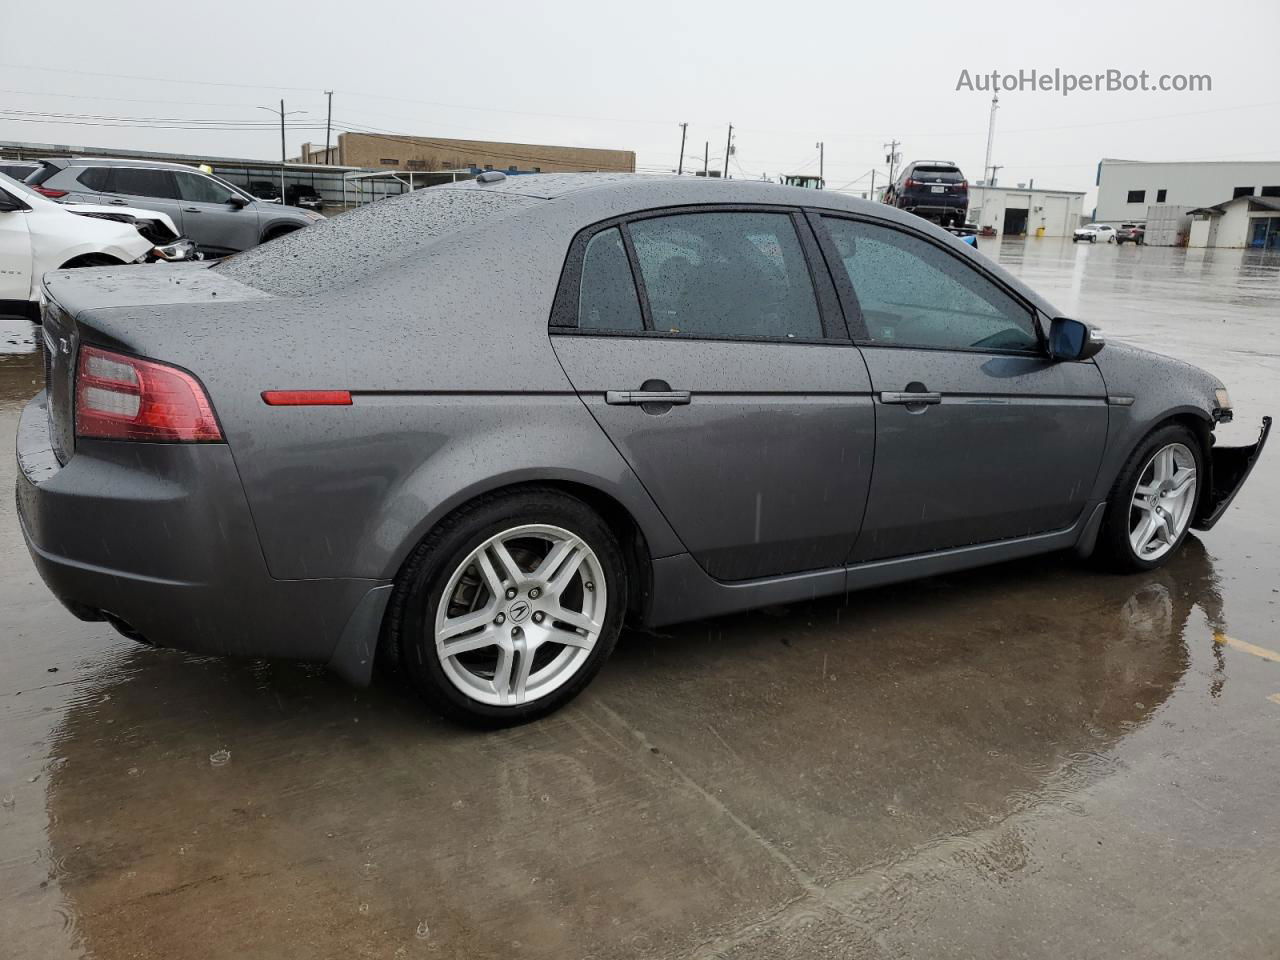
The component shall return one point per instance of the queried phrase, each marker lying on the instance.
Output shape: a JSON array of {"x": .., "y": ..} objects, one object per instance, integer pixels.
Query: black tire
[
  {"x": 92, "y": 260},
  {"x": 409, "y": 637},
  {"x": 277, "y": 232},
  {"x": 1114, "y": 550}
]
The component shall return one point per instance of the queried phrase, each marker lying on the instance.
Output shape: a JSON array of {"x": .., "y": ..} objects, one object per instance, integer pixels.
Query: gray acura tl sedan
[{"x": 468, "y": 431}]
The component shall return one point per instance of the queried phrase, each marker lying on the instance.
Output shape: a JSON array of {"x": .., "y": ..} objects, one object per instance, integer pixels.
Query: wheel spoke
[
  {"x": 492, "y": 580},
  {"x": 567, "y": 570},
  {"x": 465, "y": 623},
  {"x": 1141, "y": 538},
  {"x": 476, "y": 641},
  {"x": 1181, "y": 480},
  {"x": 524, "y": 663},
  {"x": 1164, "y": 464},
  {"x": 573, "y": 618},
  {"x": 570, "y": 638},
  {"x": 502, "y": 673},
  {"x": 560, "y": 552},
  {"x": 507, "y": 566}
]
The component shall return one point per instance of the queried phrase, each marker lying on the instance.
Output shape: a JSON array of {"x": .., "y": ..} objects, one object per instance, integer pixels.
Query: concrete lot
[{"x": 1034, "y": 760}]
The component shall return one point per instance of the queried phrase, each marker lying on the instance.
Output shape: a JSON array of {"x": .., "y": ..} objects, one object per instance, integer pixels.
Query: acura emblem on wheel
[{"x": 518, "y": 611}]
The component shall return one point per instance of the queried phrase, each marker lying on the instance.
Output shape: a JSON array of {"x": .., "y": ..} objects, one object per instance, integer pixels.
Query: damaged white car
[{"x": 38, "y": 235}]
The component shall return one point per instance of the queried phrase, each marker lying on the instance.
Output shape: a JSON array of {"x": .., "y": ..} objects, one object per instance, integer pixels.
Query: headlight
[
  {"x": 1222, "y": 413},
  {"x": 178, "y": 250}
]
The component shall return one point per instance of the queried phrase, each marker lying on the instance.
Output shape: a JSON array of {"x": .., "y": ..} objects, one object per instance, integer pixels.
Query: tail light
[
  {"x": 963, "y": 186},
  {"x": 50, "y": 193},
  {"x": 909, "y": 184},
  {"x": 124, "y": 398}
]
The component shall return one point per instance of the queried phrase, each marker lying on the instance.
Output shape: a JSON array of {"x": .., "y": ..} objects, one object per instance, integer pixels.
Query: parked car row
[
  {"x": 552, "y": 403},
  {"x": 38, "y": 235}
]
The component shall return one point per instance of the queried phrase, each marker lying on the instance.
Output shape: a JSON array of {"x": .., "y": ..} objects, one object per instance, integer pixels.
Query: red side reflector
[
  {"x": 307, "y": 398},
  {"x": 51, "y": 194}
]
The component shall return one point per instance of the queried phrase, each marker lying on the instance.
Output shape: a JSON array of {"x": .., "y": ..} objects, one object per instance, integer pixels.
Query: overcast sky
[{"x": 625, "y": 75}]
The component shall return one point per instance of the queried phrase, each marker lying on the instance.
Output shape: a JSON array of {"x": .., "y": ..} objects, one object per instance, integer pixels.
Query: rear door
[
  {"x": 980, "y": 436},
  {"x": 211, "y": 220},
  {"x": 727, "y": 380},
  {"x": 145, "y": 188}
]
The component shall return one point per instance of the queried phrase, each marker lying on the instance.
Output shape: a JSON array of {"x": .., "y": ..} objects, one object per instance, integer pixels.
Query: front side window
[
  {"x": 912, "y": 293},
  {"x": 739, "y": 274},
  {"x": 198, "y": 189},
  {"x": 141, "y": 182},
  {"x": 607, "y": 293}
]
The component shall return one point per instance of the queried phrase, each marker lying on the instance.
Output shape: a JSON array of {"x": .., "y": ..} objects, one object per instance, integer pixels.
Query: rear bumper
[
  {"x": 1229, "y": 469},
  {"x": 159, "y": 539}
]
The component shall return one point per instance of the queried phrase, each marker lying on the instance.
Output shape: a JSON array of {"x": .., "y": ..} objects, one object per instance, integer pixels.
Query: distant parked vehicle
[
  {"x": 1131, "y": 233},
  {"x": 304, "y": 196},
  {"x": 219, "y": 217},
  {"x": 19, "y": 169},
  {"x": 807, "y": 181},
  {"x": 1093, "y": 232},
  {"x": 265, "y": 190},
  {"x": 934, "y": 190},
  {"x": 38, "y": 235}
]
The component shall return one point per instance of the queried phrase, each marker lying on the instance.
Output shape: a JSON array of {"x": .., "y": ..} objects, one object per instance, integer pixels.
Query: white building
[
  {"x": 1126, "y": 188},
  {"x": 1014, "y": 211},
  {"x": 1242, "y": 222}
]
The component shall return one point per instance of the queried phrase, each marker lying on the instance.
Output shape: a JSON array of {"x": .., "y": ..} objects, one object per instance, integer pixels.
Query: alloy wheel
[
  {"x": 521, "y": 615},
  {"x": 1162, "y": 502}
]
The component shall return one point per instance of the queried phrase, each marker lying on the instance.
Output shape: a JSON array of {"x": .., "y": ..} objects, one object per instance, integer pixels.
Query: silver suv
[{"x": 220, "y": 217}]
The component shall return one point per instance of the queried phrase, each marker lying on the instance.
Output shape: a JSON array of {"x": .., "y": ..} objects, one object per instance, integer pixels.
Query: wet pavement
[{"x": 1033, "y": 760}]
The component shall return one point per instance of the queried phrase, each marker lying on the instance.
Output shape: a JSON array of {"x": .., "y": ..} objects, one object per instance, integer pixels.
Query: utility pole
[
  {"x": 328, "y": 123},
  {"x": 684, "y": 129},
  {"x": 282, "y": 115},
  {"x": 893, "y": 157},
  {"x": 728, "y": 149},
  {"x": 991, "y": 137},
  {"x": 994, "y": 168},
  {"x": 873, "y": 184},
  {"x": 706, "y": 158},
  {"x": 821, "y": 150}
]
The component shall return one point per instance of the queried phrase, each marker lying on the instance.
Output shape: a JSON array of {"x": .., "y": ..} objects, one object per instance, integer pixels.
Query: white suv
[{"x": 38, "y": 235}]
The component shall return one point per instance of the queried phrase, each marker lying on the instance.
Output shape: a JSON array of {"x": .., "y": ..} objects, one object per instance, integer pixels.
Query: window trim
[
  {"x": 564, "y": 310},
  {"x": 853, "y": 309}
]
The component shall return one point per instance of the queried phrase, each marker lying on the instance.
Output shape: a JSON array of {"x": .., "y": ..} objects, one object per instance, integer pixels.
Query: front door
[
  {"x": 210, "y": 218},
  {"x": 979, "y": 436},
  {"x": 15, "y": 262},
  {"x": 726, "y": 382}
]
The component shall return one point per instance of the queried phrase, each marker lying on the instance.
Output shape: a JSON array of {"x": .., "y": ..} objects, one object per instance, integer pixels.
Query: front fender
[{"x": 1146, "y": 389}]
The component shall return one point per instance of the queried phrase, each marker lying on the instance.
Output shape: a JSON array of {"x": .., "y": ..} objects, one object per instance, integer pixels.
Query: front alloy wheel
[{"x": 1163, "y": 501}]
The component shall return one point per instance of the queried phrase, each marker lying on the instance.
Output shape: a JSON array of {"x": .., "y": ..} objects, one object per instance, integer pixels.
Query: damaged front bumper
[{"x": 1229, "y": 468}]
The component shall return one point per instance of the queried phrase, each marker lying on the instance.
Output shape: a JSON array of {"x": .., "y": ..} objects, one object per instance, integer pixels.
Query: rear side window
[
  {"x": 95, "y": 178},
  {"x": 726, "y": 274},
  {"x": 913, "y": 294},
  {"x": 140, "y": 182},
  {"x": 607, "y": 297}
]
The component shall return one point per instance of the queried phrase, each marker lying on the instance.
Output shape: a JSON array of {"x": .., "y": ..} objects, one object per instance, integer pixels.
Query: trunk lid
[{"x": 72, "y": 296}]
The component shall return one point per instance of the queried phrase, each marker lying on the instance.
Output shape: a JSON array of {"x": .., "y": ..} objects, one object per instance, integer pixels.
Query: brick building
[{"x": 371, "y": 150}]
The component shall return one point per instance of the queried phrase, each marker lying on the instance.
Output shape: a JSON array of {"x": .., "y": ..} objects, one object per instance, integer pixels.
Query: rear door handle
[
  {"x": 190, "y": 209},
  {"x": 118, "y": 203},
  {"x": 909, "y": 396},
  {"x": 621, "y": 397}
]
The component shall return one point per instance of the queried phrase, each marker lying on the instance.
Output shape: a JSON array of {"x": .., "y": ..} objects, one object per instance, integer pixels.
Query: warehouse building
[
  {"x": 1025, "y": 210},
  {"x": 424, "y": 154},
  {"x": 1126, "y": 188}
]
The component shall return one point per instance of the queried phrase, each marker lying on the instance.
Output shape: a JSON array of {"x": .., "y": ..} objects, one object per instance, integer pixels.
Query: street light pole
[
  {"x": 821, "y": 158},
  {"x": 282, "y": 114},
  {"x": 684, "y": 130},
  {"x": 728, "y": 149},
  {"x": 328, "y": 123}
]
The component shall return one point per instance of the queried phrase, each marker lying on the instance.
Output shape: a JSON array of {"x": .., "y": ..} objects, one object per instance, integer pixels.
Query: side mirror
[
  {"x": 1073, "y": 340},
  {"x": 238, "y": 201}
]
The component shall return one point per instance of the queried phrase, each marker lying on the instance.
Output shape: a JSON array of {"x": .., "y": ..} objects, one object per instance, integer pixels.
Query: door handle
[
  {"x": 118, "y": 203},
  {"x": 623, "y": 397},
  {"x": 909, "y": 397},
  {"x": 190, "y": 209}
]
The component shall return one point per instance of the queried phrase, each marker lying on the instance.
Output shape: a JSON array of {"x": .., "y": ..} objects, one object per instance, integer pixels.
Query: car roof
[{"x": 124, "y": 162}]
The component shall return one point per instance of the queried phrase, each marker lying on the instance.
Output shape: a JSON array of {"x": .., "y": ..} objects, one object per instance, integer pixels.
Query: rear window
[
  {"x": 352, "y": 246},
  {"x": 948, "y": 174},
  {"x": 96, "y": 178}
]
